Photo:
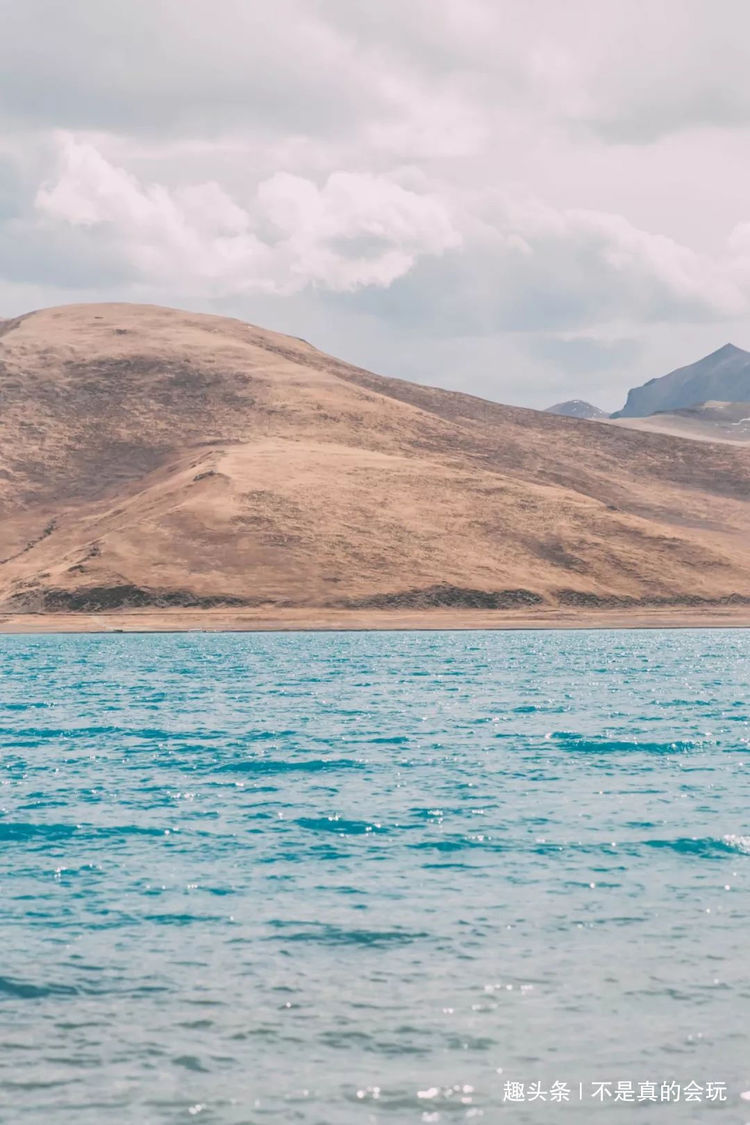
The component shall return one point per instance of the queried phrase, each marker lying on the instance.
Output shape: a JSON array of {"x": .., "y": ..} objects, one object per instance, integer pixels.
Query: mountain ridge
[
  {"x": 154, "y": 458},
  {"x": 722, "y": 375}
]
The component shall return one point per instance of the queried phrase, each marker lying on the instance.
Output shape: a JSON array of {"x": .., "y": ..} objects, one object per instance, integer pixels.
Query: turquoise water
[{"x": 373, "y": 878}]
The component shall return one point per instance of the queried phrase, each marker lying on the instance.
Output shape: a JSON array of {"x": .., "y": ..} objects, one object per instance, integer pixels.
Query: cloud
[
  {"x": 386, "y": 73},
  {"x": 507, "y": 264},
  {"x": 11, "y": 191},
  {"x": 354, "y": 230},
  {"x": 609, "y": 268},
  {"x": 530, "y": 267},
  {"x": 461, "y": 178},
  {"x": 634, "y": 72},
  {"x": 177, "y": 67}
]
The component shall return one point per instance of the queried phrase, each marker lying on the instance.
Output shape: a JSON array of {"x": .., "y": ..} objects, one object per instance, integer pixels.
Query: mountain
[
  {"x": 722, "y": 376},
  {"x": 154, "y": 458},
  {"x": 708, "y": 421},
  {"x": 577, "y": 408}
]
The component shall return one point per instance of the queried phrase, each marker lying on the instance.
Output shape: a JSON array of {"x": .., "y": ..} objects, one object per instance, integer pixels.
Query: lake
[{"x": 334, "y": 878}]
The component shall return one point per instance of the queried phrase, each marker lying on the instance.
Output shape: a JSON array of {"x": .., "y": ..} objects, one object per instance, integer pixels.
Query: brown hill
[{"x": 156, "y": 458}]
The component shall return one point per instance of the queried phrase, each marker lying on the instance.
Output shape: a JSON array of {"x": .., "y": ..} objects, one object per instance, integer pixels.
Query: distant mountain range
[
  {"x": 577, "y": 408},
  {"x": 706, "y": 400},
  {"x": 709, "y": 421},
  {"x": 722, "y": 376}
]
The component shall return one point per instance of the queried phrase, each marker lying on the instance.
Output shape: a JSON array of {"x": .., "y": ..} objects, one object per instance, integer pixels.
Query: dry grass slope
[{"x": 151, "y": 458}]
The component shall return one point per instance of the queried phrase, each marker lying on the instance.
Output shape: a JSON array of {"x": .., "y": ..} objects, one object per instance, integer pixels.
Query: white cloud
[
  {"x": 620, "y": 269},
  {"x": 356, "y": 229},
  {"x": 510, "y": 263},
  {"x": 526, "y": 266},
  {"x": 469, "y": 178}
]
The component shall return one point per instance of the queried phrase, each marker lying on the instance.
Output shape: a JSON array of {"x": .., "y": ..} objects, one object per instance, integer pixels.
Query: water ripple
[{"x": 343, "y": 878}]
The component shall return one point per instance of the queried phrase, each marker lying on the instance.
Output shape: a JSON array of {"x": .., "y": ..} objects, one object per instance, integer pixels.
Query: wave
[
  {"x": 323, "y": 933},
  {"x": 599, "y": 744},
  {"x": 26, "y": 990},
  {"x": 289, "y": 765},
  {"x": 340, "y": 825},
  {"x": 20, "y": 830},
  {"x": 703, "y": 845},
  {"x": 40, "y": 734},
  {"x": 16, "y": 830}
]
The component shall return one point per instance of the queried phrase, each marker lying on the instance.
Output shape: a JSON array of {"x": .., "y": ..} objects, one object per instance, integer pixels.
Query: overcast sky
[{"x": 527, "y": 200}]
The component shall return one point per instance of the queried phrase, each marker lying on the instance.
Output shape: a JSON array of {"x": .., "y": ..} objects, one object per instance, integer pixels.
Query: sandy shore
[{"x": 229, "y": 620}]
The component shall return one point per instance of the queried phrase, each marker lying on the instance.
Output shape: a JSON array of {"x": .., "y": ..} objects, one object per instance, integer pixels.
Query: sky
[{"x": 528, "y": 200}]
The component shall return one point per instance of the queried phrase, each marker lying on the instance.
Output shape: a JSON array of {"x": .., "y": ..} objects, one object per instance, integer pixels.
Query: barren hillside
[
  {"x": 707, "y": 421},
  {"x": 154, "y": 458}
]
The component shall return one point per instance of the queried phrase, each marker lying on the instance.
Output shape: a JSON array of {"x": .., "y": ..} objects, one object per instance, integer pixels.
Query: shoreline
[{"x": 321, "y": 620}]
